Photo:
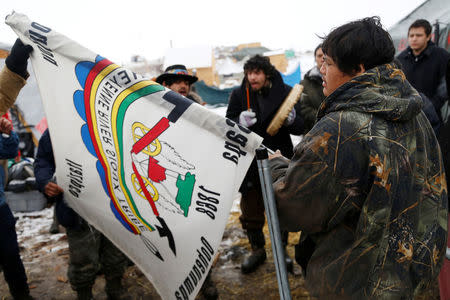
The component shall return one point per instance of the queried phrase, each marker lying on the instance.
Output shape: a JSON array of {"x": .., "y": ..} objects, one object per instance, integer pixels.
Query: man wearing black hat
[
  {"x": 254, "y": 105},
  {"x": 178, "y": 79}
]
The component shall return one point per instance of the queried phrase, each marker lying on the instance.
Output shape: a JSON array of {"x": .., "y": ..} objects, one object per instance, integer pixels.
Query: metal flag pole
[{"x": 272, "y": 221}]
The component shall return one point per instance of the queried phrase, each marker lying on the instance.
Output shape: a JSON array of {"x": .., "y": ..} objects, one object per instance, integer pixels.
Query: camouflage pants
[{"x": 91, "y": 252}]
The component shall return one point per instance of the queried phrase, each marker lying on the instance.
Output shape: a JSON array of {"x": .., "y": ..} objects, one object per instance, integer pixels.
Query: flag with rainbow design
[{"x": 153, "y": 171}]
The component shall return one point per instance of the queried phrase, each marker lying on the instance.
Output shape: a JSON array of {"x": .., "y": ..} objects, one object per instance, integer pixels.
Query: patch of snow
[
  {"x": 230, "y": 83},
  {"x": 32, "y": 229},
  {"x": 227, "y": 66},
  {"x": 274, "y": 52},
  {"x": 236, "y": 202},
  {"x": 306, "y": 62}
]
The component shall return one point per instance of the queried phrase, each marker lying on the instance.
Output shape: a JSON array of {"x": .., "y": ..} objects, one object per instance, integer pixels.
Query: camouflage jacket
[{"x": 367, "y": 184}]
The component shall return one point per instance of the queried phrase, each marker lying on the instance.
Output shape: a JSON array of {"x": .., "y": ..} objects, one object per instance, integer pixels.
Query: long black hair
[{"x": 359, "y": 42}]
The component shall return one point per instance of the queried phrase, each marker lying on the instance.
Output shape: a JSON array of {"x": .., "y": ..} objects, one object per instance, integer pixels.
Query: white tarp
[{"x": 153, "y": 171}]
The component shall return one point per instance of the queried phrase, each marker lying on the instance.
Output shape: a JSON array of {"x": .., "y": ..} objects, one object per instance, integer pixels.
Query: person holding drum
[{"x": 253, "y": 105}]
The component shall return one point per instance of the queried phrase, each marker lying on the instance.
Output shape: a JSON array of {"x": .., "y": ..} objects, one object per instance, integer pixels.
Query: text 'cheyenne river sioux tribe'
[{"x": 109, "y": 89}]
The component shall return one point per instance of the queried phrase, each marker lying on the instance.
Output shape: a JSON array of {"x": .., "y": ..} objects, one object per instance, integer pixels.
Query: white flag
[{"x": 150, "y": 169}]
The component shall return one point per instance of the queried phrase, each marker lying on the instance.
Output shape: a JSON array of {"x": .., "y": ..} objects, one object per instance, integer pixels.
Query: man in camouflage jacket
[{"x": 367, "y": 183}]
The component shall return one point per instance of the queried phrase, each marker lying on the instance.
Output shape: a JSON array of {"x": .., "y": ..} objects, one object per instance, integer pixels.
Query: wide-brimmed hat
[{"x": 175, "y": 71}]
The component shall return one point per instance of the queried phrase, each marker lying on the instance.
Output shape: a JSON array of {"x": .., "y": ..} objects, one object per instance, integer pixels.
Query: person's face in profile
[
  {"x": 332, "y": 76},
  {"x": 319, "y": 58}
]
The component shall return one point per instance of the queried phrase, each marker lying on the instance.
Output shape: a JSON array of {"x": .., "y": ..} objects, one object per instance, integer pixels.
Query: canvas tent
[
  {"x": 212, "y": 95},
  {"x": 436, "y": 12}
]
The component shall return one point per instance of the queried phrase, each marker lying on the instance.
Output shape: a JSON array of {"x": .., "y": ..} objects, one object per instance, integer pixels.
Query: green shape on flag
[{"x": 185, "y": 189}]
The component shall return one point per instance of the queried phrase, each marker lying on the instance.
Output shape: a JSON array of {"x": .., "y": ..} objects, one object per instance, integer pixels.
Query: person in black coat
[
  {"x": 254, "y": 105},
  {"x": 428, "y": 107},
  {"x": 424, "y": 63}
]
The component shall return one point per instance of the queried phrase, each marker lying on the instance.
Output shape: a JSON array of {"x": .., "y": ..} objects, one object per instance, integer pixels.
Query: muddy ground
[{"x": 46, "y": 256}]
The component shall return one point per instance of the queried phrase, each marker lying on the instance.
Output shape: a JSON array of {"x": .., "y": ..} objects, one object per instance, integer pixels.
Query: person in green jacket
[
  {"x": 367, "y": 183},
  {"x": 312, "y": 95}
]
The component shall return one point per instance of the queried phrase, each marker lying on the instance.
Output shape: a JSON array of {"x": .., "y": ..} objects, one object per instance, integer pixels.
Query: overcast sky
[{"x": 120, "y": 29}]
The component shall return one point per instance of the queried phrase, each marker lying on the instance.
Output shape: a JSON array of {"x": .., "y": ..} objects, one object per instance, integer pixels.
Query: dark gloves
[{"x": 17, "y": 59}]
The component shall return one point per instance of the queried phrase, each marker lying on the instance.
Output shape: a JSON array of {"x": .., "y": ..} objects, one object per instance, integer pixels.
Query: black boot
[
  {"x": 25, "y": 295},
  {"x": 287, "y": 258},
  {"x": 54, "y": 228},
  {"x": 304, "y": 250},
  {"x": 84, "y": 293},
  {"x": 114, "y": 289},
  {"x": 258, "y": 255},
  {"x": 20, "y": 293},
  {"x": 209, "y": 290}
]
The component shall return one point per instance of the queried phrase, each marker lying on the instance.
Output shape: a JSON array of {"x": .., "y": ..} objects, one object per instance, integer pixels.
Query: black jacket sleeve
[
  {"x": 44, "y": 170},
  {"x": 431, "y": 113},
  {"x": 44, "y": 164},
  {"x": 298, "y": 126},
  {"x": 234, "y": 105}
]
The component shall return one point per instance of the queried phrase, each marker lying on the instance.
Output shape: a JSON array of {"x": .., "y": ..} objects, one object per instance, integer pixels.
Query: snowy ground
[
  {"x": 29, "y": 227},
  {"x": 45, "y": 258}
]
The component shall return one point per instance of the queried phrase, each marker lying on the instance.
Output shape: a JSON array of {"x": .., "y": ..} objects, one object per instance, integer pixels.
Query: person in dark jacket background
[
  {"x": 312, "y": 95},
  {"x": 428, "y": 107},
  {"x": 254, "y": 105},
  {"x": 12, "y": 78},
  {"x": 424, "y": 63},
  {"x": 90, "y": 251}
]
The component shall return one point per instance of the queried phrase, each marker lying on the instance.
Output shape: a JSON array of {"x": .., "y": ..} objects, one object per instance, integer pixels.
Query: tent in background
[
  {"x": 294, "y": 77},
  {"x": 211, "y": 94}
]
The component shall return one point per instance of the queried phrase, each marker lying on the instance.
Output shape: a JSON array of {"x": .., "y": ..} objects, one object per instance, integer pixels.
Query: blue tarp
[
  {"x": 292, "y": 78},
  {"x": 212, "y": 95}
]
